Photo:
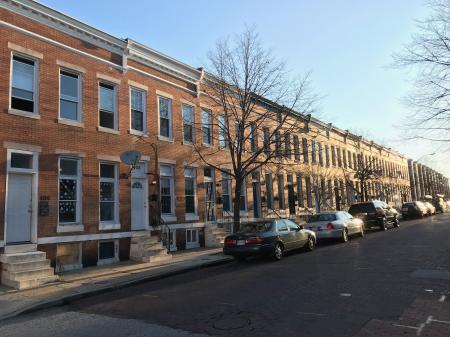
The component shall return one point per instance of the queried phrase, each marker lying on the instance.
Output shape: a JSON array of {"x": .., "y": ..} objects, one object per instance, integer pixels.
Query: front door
[
  {"x": 139, "y": 207},
  {"x": 19, "y": 208}
]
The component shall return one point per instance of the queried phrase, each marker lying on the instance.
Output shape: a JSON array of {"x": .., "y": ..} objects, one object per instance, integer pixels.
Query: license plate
[{"x": 240, "y": 242}]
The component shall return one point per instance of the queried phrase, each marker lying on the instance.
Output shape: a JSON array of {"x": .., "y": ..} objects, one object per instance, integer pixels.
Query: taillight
[
  {"x": 253, "y": 241},
  {"x": 330, "y": 226},
  {"x": 230, "y": 242}
]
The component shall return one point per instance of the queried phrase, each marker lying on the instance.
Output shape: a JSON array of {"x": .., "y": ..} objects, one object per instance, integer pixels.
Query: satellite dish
[{"x": 130, "y": 157}]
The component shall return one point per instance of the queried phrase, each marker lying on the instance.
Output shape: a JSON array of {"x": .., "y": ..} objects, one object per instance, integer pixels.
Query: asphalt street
[{"x": 333, "y": 291}]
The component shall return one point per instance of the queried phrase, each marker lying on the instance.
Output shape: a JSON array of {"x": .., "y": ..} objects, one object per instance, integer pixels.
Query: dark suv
[{"x": 375, "y": 213}]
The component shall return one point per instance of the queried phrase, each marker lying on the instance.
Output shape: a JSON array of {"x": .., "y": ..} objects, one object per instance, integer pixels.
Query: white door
[
  {"x": 139, "y": 204},
  {"x": 19, "y": 208}
]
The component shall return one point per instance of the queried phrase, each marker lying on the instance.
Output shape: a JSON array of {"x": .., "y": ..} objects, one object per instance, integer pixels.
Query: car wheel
[
  {"x": 362, "y": 232},
  {"x": 383, "y": 225},
  {"x": 396, "y": 223},
  {"x": 278, "y": 251},
  {"x": 310, "y": 244},
  {"x": 344, "y": 237}
]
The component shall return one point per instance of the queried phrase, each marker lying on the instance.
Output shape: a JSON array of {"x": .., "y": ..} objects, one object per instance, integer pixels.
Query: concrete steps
[
  {"x": 26, "y": 270},
  {"x": 215, "y": 236},
  {"x": 146, "y": 248}
]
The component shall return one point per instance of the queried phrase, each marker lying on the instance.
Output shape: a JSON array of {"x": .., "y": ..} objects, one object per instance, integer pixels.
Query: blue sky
[{"x": 347, "y": 45}]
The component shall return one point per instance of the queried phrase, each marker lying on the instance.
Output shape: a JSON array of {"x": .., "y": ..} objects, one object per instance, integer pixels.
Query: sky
[{"x": 347, "y": 44}]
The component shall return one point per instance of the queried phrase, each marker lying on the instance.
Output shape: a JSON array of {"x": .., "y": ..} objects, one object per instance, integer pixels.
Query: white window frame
[
  {"x": 144, "y": 112},
  {"x": 170, "y": 138},
  {"x": 36, "y": 61},
  {"x": 210, "y": 126},
  {"x": 114, "y": 103},
  {"x": 102, "y": 262},
  {"x": 226, "y": 179},
  {"x": 193, "y": 122},
  {"x": 189, "y": 235},
  {"x": 80, "y": 95},
  {"x": 110, "y": 224},
  {"x": 78, "y": 214},
  {"x": 172, "y": 189},
  {"x": 195, "y": 213},
  {"x": 222, "y": 124}
]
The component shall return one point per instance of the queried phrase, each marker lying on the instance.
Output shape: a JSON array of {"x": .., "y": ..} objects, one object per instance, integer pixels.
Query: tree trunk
[{"x": 237, "y": 206}]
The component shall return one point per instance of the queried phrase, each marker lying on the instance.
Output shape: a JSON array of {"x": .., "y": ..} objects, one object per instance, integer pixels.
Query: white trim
[
  {"x": 144, "y": 112},
  {"x": 192, "y": 244},
  {"x": 79, "y": 121},
  {"x": 69, "y": 228},
  {"x": 185, "y": 101},
  {"x": 169, "y": 218},
  {"x": 79, "y": 197},
  {"x": 191, "y": 216},
  {"x": 107, "y": 157},
  {"x": 162, "y": 80},
  {"x": 23, "y": 147},
  {"x": 108, "y": 226},
  {"x": 107, "y": 78},
  {"x": 132, "y": 83},
  {"x": 107, "y": 130},
  {"x": 58, "y": 44},
  {"x": 164, "y": 94},
  {"x": 138, "y": 133},
  {"x": 70, "y": 66},
  {"x": 22, "y": 113},
  {"x": 205, "y": 106},
  {"x": 167, "y": 161},
  {"x": 70, "y": 153},
  {"x": 83, "y": 237},
  {"x": 184, "y": 225},
  {"x": 24, "y": 50},
  {"x": 145, "y": 158},
  {"x": 71, "y": 123}
]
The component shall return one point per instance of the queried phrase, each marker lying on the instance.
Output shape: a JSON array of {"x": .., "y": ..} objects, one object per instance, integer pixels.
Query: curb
[{"x": 64, "y": 300}]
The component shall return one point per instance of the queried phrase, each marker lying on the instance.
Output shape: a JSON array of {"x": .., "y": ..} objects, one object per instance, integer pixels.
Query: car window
[
  {"x": 348, "y": 215},
  {"x": 257, "y": 227},
  {"x": 379, "y": 204},
  {"x": 361, "y": 208},
  {"x": 342, "y": 216},
  {"x": 322, "y": 217},
  {"x": 281, "y": 226},
  {"x": 292, "y": 226}
]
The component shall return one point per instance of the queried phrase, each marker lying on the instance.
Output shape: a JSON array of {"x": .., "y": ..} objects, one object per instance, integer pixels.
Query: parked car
[
  {"x": 439, "y": 204},
  {"x": 335, "y": 225},
  {"x": 431, "y": 210},
  {"x": 415, "y": 209},
  {"x": 272, "y": 238},
  {"x": 375, "y": 213}
]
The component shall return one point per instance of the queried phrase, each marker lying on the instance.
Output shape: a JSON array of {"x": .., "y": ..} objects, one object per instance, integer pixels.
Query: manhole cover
[{"x": 231, "y": 323}]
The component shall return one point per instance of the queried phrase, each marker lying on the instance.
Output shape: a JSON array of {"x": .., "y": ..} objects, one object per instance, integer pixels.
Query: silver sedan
[{"x": 335, "y": 225}]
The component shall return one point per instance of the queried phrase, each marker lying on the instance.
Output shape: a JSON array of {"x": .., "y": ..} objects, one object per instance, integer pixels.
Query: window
[
  {"x": 21, "y": 160},
  {"x": 330, "y": 192},
  {"x": 323, "y": 192},
  {"x": 23, "y": 84},
  {"x": 269, "y": 190},
  {"x": 253, "y": 138},
  {"x": 69, "y": 96},
  {"x": 167, "y": 189},
  {"x": 308, "y": 192},
  {"x": 281, "y": 192},
  {"x": 327, "y": 155},
  {"x": 107, "y": 251},
  {"x": 239, "y": 136},
  {"x": 319, "y": 146},
  {"x": 189, "y": 189},
  {"x": 266, "y": 141},
  {"x": 223, "y": 132},
  {"x": 296, "y": 148},
  {"x": 313, "y": 151},
  {"x": 281, "y": 226},
  {"x": 188, "y": 123},
  {"x": 192, "y": 238},
  {"x": 108, "y": 193},
  {"x": 226, "y": 191},
  {"x": 69, "y": 185},
  {"x": 165, "y": 117},
  {"x": 107, "y": 106},
  {"x": 138, "y": 115},
  {"x": 333, "y": 156},
  {"x": 349, "y": 156},
  {"x": 206, "y": 127},
  {"x": 305, "y": 150},
  {"x": 344, "y": 158},
  {"x": 210, "y": 193},
  {"x": 287, "y": 145},
  {"x": 301, "y": 202},
  {"x": 277, "y": 144}
]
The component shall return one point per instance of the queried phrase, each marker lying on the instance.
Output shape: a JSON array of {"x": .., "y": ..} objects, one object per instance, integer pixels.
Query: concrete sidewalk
[{"x": 95, "y": 280}]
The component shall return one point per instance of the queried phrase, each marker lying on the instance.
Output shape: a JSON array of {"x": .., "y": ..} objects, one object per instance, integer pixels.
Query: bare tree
[
  {"x": 320, "y": 184},
  {"x": 252, "y": 97},
  {"x": 428, "y": 55}
]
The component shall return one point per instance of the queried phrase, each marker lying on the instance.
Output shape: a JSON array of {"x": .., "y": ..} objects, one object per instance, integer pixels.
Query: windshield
[
  {"x": 361, "y": 208},
  {"x": 257, "y": 227},
  {"x": 322, "y": 217}
]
